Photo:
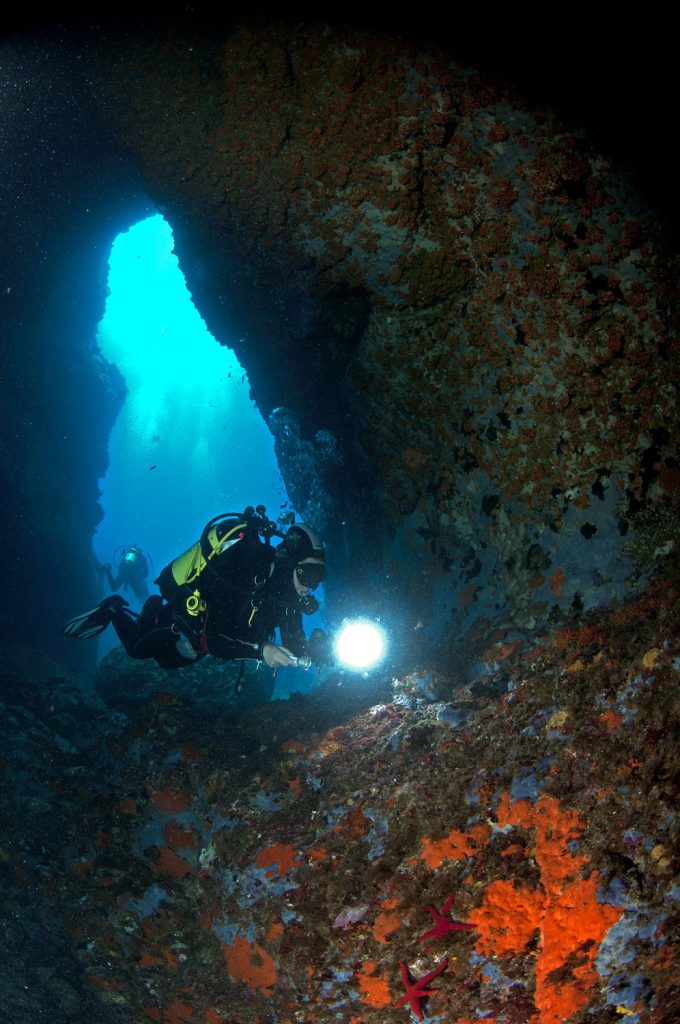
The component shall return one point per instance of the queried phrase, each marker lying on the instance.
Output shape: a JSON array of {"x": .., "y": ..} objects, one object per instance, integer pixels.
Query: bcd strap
[
  {"x": 209, "y": 550},
  {"x": 185, "y": 570},
  {"x": 254, "y": 602}
]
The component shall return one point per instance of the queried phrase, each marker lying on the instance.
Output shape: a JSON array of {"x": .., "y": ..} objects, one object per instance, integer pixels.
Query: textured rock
[
  {"x": 61, "y": 206},
  {"x": 450, "y": 280},
  {"x": 281, "y": 861},
  {"x": 456, "y": 315}
]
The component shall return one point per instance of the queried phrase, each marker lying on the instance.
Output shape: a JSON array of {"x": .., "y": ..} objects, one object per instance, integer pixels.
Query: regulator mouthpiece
[{"x": 308, "y": 604}]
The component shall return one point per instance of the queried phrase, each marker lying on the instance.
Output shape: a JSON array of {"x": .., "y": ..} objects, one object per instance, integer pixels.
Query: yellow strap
[
  {"x": 194, "y": 604},
  {"x": 199, "y": 554},
  {"x": 253, "y": 614}
]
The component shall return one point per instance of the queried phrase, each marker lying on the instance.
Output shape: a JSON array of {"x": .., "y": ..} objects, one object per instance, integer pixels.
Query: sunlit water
[{"x": 188, "y": 443}]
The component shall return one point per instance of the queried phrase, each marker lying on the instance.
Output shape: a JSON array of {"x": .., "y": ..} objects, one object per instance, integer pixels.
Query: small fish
[{"x": 151, "y": 467}]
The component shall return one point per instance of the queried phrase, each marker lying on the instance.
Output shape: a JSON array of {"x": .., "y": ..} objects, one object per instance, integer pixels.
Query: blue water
[{"x": 189, "y": 443}]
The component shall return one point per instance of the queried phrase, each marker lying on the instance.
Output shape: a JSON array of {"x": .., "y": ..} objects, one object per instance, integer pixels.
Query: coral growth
[{"x": 201, "y": 886}]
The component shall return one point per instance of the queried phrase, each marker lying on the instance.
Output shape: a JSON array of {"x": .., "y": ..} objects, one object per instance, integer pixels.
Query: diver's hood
[{"x": 300, "y": 543}]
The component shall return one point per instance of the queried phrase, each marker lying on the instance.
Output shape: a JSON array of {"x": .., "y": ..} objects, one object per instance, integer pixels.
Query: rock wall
[
  {"x": 448, "y": 281},
  {"x": 457, "y": 316},
  {"x": 191, "y": 859},
  {"x": 65, "y": 192}
]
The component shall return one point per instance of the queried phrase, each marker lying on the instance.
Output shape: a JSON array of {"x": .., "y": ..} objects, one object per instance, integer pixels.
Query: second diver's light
[{"x": 360, "y": 644}]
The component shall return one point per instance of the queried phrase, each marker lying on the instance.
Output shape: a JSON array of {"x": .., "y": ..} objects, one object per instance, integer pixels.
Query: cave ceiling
[
  {"x": 447, "y": 278},
  {"x": 452, "y": 287}
]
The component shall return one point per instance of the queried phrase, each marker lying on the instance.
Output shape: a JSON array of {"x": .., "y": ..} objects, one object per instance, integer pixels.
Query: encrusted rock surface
[
  {"x": 279, "y": 862},
  {"x": 459, "y": 320},
  {"x": 455, "y": 284}
]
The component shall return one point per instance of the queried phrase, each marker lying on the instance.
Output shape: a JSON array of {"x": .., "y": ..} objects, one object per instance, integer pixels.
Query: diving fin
[{"x": 91, "y": 623}]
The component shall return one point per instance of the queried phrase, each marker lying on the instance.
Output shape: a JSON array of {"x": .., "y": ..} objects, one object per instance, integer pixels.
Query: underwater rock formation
[
  {"x": 306, "y": 860},
  {"x": 310, "y": 469},
  {"x": 458, "y": 318},
  {"x": 455, "y": 283},
  {"x": 62, "y": 181}
]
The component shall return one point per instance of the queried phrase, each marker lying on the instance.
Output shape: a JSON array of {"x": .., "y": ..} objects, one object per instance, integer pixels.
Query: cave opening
[{"x": 189, "y": 443}]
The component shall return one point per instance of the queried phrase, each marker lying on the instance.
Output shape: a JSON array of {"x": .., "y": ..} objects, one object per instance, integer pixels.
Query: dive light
[
  {"x": 304, "y": 661},
  {"x": 360, "y": 644}
]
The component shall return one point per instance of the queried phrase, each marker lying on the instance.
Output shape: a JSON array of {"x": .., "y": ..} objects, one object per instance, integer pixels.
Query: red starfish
[
  {"x": 416, "y": 990},
  {"x": 443, "y": 924}
]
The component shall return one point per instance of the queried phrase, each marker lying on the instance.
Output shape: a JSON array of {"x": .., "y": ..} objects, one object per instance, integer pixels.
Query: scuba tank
[{"x": 217, "y": 536}]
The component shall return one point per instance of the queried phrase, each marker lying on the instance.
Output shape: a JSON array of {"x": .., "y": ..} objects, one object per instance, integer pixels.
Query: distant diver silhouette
[{"x": 131, "y": 571}]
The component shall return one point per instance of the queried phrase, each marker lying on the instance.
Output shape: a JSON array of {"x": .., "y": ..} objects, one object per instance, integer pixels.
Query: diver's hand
[{"x": 278, "y": 657}]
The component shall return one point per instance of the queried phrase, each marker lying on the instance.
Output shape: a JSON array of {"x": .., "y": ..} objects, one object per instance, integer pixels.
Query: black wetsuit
[
  {"x": 131, "y": 575},
  {"x": 247, "y": 593}
]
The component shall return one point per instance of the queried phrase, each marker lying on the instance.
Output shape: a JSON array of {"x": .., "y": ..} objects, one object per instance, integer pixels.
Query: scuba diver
[
  {"x": 131, "y": 573},
  {"x": 226, "y": 596}
]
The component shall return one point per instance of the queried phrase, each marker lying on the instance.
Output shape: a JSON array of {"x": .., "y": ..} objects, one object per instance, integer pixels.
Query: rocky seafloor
[{"x": 174, "y": 852}]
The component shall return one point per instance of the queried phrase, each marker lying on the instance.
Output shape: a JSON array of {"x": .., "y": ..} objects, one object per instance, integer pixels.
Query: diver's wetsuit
[
  {"x": 152, "y": 634},
  {"x": 248, "y": 593},
  {"x": 132, "y": 573}
]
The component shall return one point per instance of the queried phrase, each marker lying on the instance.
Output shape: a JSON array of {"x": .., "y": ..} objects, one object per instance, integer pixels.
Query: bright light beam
[{"x": 360, "y": 645}]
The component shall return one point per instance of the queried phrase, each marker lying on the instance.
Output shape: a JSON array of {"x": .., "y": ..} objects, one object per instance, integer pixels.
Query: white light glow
[{"x": 360, "y": 645}]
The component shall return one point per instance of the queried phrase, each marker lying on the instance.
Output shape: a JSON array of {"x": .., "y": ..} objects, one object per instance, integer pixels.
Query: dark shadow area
[
  {"x": 614, "y": 76},
  {"x": 60, "y": 213},
  {"x": 173, "y": 853}
]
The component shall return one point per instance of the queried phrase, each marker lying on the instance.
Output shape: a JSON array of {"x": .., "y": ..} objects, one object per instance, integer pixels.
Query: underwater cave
[{"x": 413, "y": 285}]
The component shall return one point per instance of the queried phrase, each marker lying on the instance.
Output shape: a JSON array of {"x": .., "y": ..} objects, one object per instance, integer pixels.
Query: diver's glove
[
  {"x": 320, "y": 648},
  {"x": 277, "y": 657}
]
